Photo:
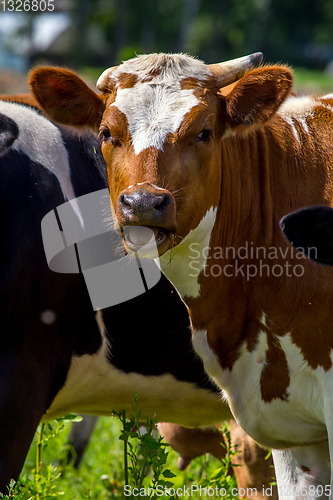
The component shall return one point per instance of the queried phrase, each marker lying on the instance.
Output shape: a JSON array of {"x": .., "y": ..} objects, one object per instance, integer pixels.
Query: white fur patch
[
  {"x": 42, "y": 142},
  {"x": 163, "y": 68},
  {"x": 177, "y": 263},
  {"x": 279, "y": 423},
  {"x": 210, "y": 360},
  {"x": 156, "y": 107},
  {"x": 298, "y": 109},
  {"x": 263, "y": 319}
]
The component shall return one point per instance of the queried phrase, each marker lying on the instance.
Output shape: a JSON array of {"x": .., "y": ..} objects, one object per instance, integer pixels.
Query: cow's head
[{"x": 161, "y": 119}]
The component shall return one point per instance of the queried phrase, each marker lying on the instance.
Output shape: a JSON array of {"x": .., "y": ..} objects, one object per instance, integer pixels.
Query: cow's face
[
  {"x": 161, "y": 119},
  {"x": 161, "y": 154}
]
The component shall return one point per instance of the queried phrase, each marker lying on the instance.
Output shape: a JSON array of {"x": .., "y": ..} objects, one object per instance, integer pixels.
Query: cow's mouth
[{"x": 146, "y": 239}]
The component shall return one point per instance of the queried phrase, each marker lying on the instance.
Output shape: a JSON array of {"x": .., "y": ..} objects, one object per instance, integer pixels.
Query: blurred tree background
[
  {"x": 104, "y": 32},
  {"x": 295, "y": 31},
  {"x": 101, "y": 33}
]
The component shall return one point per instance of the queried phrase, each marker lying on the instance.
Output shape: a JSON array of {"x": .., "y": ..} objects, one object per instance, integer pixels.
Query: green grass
[
  {"x": 101, "y": 475},
  {"x": 312, "y": 81}
]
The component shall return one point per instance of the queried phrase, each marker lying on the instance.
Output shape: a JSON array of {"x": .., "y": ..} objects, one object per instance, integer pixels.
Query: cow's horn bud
[
  {"x": 230, "y": 71},
  {"x": 104, "y": 83}
]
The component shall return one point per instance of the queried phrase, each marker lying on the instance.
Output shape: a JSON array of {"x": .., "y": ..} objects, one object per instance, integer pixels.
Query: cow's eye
[
  {"x": 204, "y": 135},
  {"x": 105, "y": 134}
]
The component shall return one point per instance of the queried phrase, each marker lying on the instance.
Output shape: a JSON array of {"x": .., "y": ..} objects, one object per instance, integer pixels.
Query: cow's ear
[
  {"x": 65, "y": 98},
  {"x": 9, "y": 132},
  {"x": 310, "y": 230},
  {"x": 258, "y": 95}
]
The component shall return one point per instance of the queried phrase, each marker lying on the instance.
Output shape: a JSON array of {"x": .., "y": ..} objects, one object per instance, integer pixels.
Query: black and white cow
[
  {"x": 311, "y": 230},
  {"x": 53, "y": 356}
]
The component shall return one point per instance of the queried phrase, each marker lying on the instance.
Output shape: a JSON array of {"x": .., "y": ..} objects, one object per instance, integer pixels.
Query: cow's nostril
[
  {"x": 125, "y": 202},
  {"x": 162, "y": 203}
]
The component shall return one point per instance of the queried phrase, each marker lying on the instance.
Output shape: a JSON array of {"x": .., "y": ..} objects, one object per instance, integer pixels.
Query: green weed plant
[{"x": 119, "y": 459}]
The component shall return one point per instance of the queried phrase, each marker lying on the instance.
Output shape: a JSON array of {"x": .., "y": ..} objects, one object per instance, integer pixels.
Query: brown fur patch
[
  {"x": 275, "y": 378},
  {"x": 20, "y": 98},
  {"x": 190, "y": 83},
  {"x": 117, "y": 123},
  {"x": 194, "y": 121},
  {"x": 151, "y": 74},
  {"x": 126, "y": 80}
]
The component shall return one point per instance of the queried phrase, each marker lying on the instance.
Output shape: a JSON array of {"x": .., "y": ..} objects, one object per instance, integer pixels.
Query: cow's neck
[{"x": 264, "y": 177}]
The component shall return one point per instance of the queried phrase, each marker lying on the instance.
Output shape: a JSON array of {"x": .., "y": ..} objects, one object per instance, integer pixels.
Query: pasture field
[
  {"x": 101, "y": 475},
  {"x": 313, "y": 81}
]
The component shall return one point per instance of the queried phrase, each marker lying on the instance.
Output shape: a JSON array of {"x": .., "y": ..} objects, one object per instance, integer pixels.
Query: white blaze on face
[
  {"x": 156, "y": 105},
  {"x": 154, "y": 111}
]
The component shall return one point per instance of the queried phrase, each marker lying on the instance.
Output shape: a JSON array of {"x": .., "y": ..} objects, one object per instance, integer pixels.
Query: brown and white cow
[{"x": 213, "y": 174}]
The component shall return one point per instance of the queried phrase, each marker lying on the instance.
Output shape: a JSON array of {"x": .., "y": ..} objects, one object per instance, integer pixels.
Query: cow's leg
[
  {"x": 15, "y": 438},
  {"x": 79, "y": 437},
  {"x": 303, "y": 472},
  {"x": 27, "y": 386},
  {"x": 253, "y": 473},
  {"x": 328, "y": 412},
  {"x": 191, "y": 443},
  {"x": 18, "y": 423}
]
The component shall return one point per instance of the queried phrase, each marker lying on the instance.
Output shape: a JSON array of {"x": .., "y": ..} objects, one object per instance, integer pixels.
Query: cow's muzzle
[{"x": 146, "y": 205}]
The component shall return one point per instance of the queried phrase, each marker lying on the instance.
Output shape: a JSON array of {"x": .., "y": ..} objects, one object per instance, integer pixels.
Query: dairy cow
[{"x": 212, "y": 175}]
